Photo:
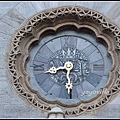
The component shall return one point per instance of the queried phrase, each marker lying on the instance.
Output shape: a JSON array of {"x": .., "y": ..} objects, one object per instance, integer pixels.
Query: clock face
[{"x": 90, "y": 66}]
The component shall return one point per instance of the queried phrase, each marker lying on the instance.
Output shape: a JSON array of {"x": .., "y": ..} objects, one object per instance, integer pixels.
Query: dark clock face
[{"x": 90, "y": 66}]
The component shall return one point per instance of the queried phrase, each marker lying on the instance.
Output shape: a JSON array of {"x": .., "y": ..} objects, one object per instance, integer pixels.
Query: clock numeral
[
  {"x": 98, "y": 67},
  {"x": 39, "y": 67}
]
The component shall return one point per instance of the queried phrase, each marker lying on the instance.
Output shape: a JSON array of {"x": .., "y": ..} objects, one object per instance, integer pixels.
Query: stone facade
[{"x": 12, "y": 16}]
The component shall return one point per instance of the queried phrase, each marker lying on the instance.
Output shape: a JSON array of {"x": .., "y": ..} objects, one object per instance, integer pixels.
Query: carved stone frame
[{"x": 52, "y": 21}]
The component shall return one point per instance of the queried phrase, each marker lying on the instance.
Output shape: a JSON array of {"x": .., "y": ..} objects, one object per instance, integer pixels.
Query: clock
[
  {"x": 66, "y": 57},
  {"x": 89, "y": 71}
]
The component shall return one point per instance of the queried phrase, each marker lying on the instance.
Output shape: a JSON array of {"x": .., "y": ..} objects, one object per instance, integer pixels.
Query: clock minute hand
[
  {"x": 67, "y": 75},
  {"x": 68, "y": 66},
  {"x": 68, "y": 85}
]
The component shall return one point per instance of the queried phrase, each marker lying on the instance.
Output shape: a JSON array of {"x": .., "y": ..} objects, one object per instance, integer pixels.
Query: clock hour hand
[
  {"x": 60, "y": 68},
  {"x": 52, "y": 70}
]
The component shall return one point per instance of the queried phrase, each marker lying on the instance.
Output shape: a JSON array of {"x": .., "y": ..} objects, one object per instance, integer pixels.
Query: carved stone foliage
[{"x": 52, "y": 21}]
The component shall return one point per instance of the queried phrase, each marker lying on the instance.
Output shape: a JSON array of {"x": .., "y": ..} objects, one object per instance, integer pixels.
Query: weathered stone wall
[{"x": 12, "y": 15}]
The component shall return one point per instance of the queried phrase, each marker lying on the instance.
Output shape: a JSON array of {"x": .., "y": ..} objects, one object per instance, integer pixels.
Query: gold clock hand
[
  {"x": 67, "y": 75},
  {"x": 52, "y": 70},
  {"x": 68, "y": 66},
  {"x": 60, "y": 68},
  {"x": 68, "y": 85}
]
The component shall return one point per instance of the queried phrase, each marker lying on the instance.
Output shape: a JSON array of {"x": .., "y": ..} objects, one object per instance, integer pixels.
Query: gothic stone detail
[{"x": 53, "y": 20}]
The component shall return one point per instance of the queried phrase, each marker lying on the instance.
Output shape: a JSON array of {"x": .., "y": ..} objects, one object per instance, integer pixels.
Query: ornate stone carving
[{"x": 53, "y": 20}]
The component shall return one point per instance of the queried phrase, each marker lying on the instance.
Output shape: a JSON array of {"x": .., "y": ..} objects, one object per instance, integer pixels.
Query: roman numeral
[{"x": 39, "y": 67}]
